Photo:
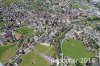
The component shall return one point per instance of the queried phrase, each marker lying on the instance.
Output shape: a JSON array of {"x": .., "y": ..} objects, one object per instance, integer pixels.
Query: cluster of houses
[
  {"x": 50, "y": 22},
  {"x": 9, "y": 36}
]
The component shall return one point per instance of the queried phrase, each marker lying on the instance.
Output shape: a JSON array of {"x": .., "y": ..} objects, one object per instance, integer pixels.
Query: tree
[{"x": 89, "y": 1}]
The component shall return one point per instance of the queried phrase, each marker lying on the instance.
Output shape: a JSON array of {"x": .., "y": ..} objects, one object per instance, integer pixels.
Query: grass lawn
[
  {"x": 93, "y": 16},
  {"x": 36, "y": 5},
  {"x": 25, "y": 30},
  {"x": 2, "y": 24},
  {"x": 39, "y": 33},
  {"x": 8, "y": 54},
  {"x": 75, "y": 49},
  {"x": 11, "y": 1},
  {"x": 27, "y": 60},
  {"x": 44, "y": 49},
  {"x": 4, "y": 49},
  {"x": 78, "y": 5},
  {"x": 93, "y": 23}
]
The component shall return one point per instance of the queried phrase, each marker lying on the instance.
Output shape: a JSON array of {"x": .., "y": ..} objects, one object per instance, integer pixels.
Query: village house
[
  {"x": 17, "y": 36},
  {"x": 2, "y": 41},
  {"x": 8, "y": 35}
]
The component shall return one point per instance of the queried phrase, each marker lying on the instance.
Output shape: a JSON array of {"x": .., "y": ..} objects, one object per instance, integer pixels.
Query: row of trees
[{"x": 58, "y": 38}]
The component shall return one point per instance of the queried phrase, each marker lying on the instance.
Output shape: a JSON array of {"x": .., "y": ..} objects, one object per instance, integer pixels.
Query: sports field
[
  {"x": 75, "y": 49},
  {"x": 45, "y": 49},
  {"x": 33, "y": 59}
]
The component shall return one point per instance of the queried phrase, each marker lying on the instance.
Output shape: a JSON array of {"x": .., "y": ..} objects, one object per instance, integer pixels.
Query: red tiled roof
[{"x": 17, "y": 36}]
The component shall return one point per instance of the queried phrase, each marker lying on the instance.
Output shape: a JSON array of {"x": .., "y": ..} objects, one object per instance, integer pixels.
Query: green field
[
  {"x": 4, "y": 49},
  {"x": 2, "y": 24},
  {"x": 11, "y": 1},
  {"x": 35, "y": 5},
  {"x": 35, "y": 57},
  {"x": 37, "y": 60},
  {"x": 93, "y": 23},
  {"x": 25, "y": 30},
  {"x": 75, "y": 49},
  {"x": 8, "y": 54},
  {"x": 38, "y": 33},
  {"x": 78, "y": 5},
  {"x": 44, "y": 49}
]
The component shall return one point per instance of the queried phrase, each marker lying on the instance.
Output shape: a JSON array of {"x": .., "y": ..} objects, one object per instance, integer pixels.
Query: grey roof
[{"x": 18, "y": 61}]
